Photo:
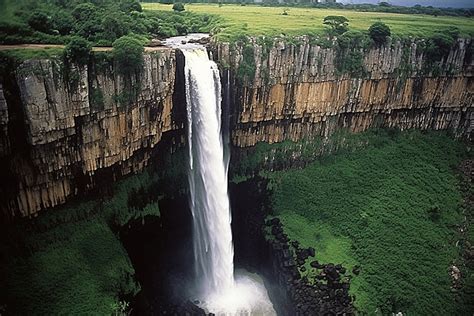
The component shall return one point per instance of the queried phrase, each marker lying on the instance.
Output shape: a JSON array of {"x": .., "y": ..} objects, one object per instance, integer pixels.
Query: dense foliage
[
  {"x": 128, "y": 54},
  {"x": 69, "y": 260},
  {"x": 100, "y": 22},
  {"x": 338, "y": 23},
  {"x": 78, "y": 51},
  {"x": 379, "y": 32},
  {"x": 178, "y": 7},
  {"x": 392, "y": 209}
]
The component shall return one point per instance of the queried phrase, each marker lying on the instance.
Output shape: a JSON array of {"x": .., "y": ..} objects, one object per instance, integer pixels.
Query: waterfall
[
  {"x": 213, "y": 250},
  {"x": 218, "y": 290}
]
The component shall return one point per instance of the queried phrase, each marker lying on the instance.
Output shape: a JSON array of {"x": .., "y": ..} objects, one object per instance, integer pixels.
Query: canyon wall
[
  {"x": 297, "y": 92},
  {"x": 60, "y": 131},
  {"x": 66, "y": 130}
]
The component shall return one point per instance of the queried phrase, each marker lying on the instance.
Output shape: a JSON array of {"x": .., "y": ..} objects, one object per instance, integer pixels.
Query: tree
[
  {"x": 438, "y": 46},
  {"x": 128, "y": 54},
  {"x": 379, "y": 32},
  {"x": 178, "y": 7},
  {"x": 338, "y": 23},
  {"x": 84, "y": 11},
  {"x": 78, "y": 51},
  {"x": 115, "y": 25},
  {"x": 39, "y": 21}
]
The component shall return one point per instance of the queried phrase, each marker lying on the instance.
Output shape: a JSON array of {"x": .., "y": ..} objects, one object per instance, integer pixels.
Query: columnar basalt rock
[
  {"x": 4, "y": 142},
  {"x": 298, "y": 93},
  {"x": 65, "y": 130},
  {"x": 75, "y": 128}
]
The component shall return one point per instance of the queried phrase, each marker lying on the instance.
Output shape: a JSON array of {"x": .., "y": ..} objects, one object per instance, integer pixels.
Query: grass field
[
  {"x": 258, "y": 20},
  {"x": 391, "y": 208}
]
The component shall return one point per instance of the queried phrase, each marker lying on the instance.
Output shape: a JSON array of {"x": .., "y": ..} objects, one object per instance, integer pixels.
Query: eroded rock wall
[
  {"x": 297, "y": 91},
  {"x": 65, "y": 130},
  {"x": 77, "y": 125}
]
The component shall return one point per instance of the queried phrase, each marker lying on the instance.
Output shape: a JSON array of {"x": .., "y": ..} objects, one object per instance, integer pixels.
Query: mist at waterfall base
[{"x": 216, "y": 287}]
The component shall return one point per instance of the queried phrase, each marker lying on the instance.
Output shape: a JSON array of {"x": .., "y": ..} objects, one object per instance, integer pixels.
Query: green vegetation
[
  {"x": 100, "y": 22},
  {"x": 78, "y": 51},
  {"x": 128, "y": 54},
  {"x": 268, "y": 21},
  {"x": 69, "y": 260},
  {"x": 379, "y": 32},
  {"x": 382, "y": 7},
  {"x": 392, "y": 207},
  {"x": 338, "y": 23},
  {"x": 178, "y": 7},
  {"x": 246, "y": 70}
]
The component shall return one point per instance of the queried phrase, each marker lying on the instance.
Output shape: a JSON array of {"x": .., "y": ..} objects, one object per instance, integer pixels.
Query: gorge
[{"x": 64, "y": 143}]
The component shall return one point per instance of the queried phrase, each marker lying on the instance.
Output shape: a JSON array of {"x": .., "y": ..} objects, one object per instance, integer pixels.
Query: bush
[
  {"x": 379, "y": 32},
  {"x": 63, "y": 22},
  {"x": 130, "y": 6},
  {"x": 128, "y": 54},
  {"x": 438, "y": 46},
  {"x": 84, "y": 11},
  {"x": 78, "y": 51},
  {"x": 337, "y": 23},
  {"x": 178, "y": 7},
  {"x": 115, "y": 26},
  {"x": 40, "y": 21}
]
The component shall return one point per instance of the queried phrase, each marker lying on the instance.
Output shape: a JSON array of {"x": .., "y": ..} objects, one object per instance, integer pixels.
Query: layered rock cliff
[
  {"x": 65, "y": 130},
  {"x": 297, "y": 92},
  {"x": 76, "y": 125}
]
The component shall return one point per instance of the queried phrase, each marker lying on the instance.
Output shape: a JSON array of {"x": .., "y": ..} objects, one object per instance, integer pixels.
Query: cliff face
[
  {"x": 66, "y": 130},
  {"x": 297, "y": 92},
  {"x": 73, "y": 132}
]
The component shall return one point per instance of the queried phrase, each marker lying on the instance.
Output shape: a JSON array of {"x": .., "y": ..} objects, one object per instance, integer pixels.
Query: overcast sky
[{"x": 434, "y": 3}]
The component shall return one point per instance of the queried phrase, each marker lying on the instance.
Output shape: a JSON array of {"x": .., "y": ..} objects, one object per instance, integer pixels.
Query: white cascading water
[
  {"x": 213, "y": 248},
  {"x": 218, "y": 290}
]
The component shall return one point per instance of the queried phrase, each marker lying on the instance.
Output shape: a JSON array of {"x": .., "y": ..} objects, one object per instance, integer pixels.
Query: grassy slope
[
  {"x": 74, "y": 263},
  {"x": 371, "y": 208},
  {"x": 258, "y": 20}
]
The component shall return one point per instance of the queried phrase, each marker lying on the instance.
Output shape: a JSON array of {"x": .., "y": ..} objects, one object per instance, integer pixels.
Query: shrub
[
  {"x": 438, "y": 46},
  {"x": 178, "y": 7},
  {"x": 128, "y": 54},
  {"x": 115, "y": 26},
  {"x": 130, "y": 5},
  {"x": 40, "y": 21},
  {"x": 337, "y": 23},
  {"x": 84, "y": 11},
  {"x": 379, "y": 32},
  {"x": 78, "y": 51},
  {"x": 63, "y": 22}
]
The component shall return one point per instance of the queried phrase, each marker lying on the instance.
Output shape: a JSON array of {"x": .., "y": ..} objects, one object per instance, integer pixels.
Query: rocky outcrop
[
  {"x": 4, "y": 142},
  {"x": 299, "y": 92},
  {"x": 66, "y": 130},
  {"x": 78, "y": 125}
]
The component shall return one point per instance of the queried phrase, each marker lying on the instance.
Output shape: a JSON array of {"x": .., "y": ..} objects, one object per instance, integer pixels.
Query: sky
[{"x": 434, "y": 3}]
